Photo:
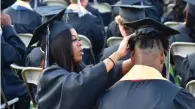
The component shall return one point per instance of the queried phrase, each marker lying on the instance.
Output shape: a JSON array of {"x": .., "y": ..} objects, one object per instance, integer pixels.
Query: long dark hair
[{"x": 61, "y": 52}]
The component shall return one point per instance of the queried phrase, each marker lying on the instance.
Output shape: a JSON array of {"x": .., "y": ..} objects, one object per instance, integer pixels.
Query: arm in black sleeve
[{"x": 12, "y": 48}]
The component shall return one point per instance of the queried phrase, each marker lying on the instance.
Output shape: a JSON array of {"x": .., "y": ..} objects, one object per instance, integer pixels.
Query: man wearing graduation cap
[
  {"x": 144, "y": 87},
  {"x": 130, "y": 10},
  {"x": 12, "y": 51}
]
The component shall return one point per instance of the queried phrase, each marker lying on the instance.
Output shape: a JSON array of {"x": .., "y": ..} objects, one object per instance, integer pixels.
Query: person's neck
[
  {"x": 149, "y": 63},
  {"x": 25, "y": 1}
]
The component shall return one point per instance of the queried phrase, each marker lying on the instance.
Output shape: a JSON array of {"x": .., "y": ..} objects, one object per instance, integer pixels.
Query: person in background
[
  {"x": 89, "y": 8},
  {"x": 188, "y": 69},
  {"x": 144, "y": 87},
  {"x": 177, "y": 14},
  {"x": 128, "y": 13},
  {"x": 24, "y": 18},
  {"x": 66, "y": 83},
  {"x": 152, "y": 12},
  {"x": 86, "y": 24},
  {"x": 12, "y": 51},
  {"x": 187, "y": 29}
]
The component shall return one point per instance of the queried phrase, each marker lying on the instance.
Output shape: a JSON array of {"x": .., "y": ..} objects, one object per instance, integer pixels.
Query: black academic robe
[
  {"x": 12, "y": 51},
  {"x": 110, "y": 50},
  {"x": 184, "y": 36},
  {"x": 95, "y": 12},
  {"x": 90, "y": 26},
  {"x": 23, "y": 19},
  {"x": 146, "y": 94},
  {"x": 113, "y": 30},
  {"x": 188, "y": 69},
  {"x": 60, "y": 89}
]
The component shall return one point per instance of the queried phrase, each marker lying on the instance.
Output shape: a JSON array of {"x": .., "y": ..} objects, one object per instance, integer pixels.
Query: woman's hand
[{"x": 123, "y": 48}]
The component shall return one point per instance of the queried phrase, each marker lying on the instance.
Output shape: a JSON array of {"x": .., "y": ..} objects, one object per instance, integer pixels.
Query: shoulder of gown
[
  {"x": 184, "y": 100},
  {"x": 75, "y": 88}
]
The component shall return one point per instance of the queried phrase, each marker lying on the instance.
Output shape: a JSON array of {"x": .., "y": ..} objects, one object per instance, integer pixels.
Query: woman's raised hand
[{"x": 123, "y": 48}]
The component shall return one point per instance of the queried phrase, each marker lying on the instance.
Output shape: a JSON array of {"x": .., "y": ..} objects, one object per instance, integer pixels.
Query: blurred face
[
  {"x": 84, "y": 3},
  {"x": 76, "y": 47}
]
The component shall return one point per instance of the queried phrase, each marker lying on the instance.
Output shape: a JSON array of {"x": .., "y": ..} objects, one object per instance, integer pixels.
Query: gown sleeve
[
  {"x": 12, "y": 48},
  {"x": 184, "y": 100},
  {"x": 83, "y": 88}
]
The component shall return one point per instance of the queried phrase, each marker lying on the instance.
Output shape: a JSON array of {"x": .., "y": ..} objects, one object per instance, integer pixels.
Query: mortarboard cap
[
  {"x": 161, "y": 28},
  {"x": 56, "y": 25},
  {"x": 6, "y": 3},
  {"x": 138, "y": 4},
  {"x": 45, "y": 11},
  {"x": 152, "y": 28},
  {"x": 131, "y": 10}
]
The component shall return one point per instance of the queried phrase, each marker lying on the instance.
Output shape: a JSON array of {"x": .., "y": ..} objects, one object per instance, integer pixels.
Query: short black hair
[{"x": 148, "y": 40}]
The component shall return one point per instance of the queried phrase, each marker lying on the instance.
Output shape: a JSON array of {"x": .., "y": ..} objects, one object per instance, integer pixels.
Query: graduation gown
[
  {"x": 113, "y": 30},
  {"x": 145, "y": 88},
  {"x": 110, "y": 50},
  {"x": 12, "y": 51},
  {"x": 95, "y": 12},
  {"x": 183, "y": 37},
  {"x": 60, "y": 89},
  {"x": 188, "y": 69},
  {"x": 23, "y": 19}
]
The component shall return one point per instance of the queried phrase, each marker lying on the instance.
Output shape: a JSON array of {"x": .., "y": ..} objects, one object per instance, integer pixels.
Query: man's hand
[{"x": 5, "y": 19}]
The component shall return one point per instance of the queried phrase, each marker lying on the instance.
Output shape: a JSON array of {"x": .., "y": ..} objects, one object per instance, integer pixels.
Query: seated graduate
[
  {"x": 152, "y": 12},
  {"x": 65, "y": 83},
  {"x": 12, "y": 51},
  {"x": 129, "y": 12},
  {"x": 23, "y": 17},
  {"x": 187, "y": 29},
  {"x": 86, "y": 24},
  {"x": 188, "y": 69},
  {"x": 143, "y": 87}
]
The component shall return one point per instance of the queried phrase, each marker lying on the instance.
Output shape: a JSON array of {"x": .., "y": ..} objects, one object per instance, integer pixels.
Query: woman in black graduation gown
[{"x": 65, "y": 84}]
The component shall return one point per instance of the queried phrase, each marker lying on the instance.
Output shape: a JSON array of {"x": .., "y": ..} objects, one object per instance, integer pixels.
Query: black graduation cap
[
  {"x": 50, "y": 29},
  {"x": 161, "y": 28},
  {"x": 191, "y": 6},
  {"x": 153, "y": 29},
  {"x": 6, "y": 3},
  {"x": 48, "y": 10},
  {"x": 138, "y": 4},
  {"x": 131, "y": 10},
  {"x": 56, "y": 25}
]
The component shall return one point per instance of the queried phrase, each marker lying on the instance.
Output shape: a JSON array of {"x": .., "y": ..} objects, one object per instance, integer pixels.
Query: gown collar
[
  {"x": 21, "y": 4},
  {"x": 142, "y": 72}
]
